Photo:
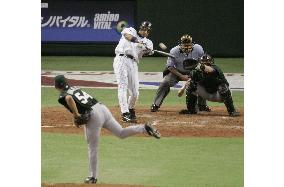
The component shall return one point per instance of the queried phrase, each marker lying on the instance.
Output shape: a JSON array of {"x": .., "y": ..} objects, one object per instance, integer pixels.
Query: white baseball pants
[{"x": 126, "y": 72}]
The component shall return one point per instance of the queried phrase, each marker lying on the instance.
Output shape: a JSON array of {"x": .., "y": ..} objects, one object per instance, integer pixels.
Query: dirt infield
[{"x": 216, "y": 123}]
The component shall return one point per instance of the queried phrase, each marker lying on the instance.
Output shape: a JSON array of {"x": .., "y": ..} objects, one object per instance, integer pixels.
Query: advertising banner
[{"x": 85, "y": 21}]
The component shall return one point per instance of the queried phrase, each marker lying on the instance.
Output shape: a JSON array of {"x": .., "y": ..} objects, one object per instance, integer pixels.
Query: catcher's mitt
[
  {"x": 82, "y": 120},
  {"x": 190, "y": 64}
]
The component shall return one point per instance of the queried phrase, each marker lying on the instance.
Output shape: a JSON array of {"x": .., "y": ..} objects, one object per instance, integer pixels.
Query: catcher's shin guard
[
  {"x": 191, "y": 102},
  {"x": 226, "y": 96},
  {"x": 202, "y": 105}
]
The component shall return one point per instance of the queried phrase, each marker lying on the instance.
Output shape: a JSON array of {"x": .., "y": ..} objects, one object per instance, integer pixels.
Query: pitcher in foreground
[{"x": 93, "y": 115}]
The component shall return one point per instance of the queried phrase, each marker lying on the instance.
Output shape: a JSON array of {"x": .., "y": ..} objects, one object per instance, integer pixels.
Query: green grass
[
  {"x": 171, "y": 162},
  {"x": 148, "y": 64},
  {"x": 49, "y": 97}
]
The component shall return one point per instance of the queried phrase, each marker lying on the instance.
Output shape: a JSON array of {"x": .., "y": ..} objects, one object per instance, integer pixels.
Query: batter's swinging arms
[
  {"x": 131, "y": 47},
  {"x": 93, "y": 115}
]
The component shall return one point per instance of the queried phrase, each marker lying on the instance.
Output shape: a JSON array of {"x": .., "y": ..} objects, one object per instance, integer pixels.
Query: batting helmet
[
  {"x": 186, "y": 44},
  {"x": 60, "y": 82},
  {"x": 146, "y": 25},
  {"x": 206, "y": 59}
]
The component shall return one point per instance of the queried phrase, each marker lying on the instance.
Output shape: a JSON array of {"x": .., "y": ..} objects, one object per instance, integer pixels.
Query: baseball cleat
[
  {"x": 204, "y": 108},
  {"x": 152, "y": 131},
  {"x": 90, "y": 180},
  {"x": 154, "y": 108},
  {"x": 132, "y": 113},
  {"x": 185, "y": 111},
  {"x": 126, "y": 117},
  {"x": 234, "y": 114}
]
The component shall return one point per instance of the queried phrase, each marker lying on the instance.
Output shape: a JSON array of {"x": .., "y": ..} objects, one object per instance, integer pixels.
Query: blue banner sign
[{"x": 85, "y": 21}]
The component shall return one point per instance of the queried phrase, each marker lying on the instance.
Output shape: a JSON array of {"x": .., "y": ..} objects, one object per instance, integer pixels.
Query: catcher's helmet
[
  {"x": 60, "y": 82},
  {"x": 146, "y": 25},
  {"x": 190, "y": 64},
  {"x": 186, "y": 44},
  {"x": 206, "y": 59}
]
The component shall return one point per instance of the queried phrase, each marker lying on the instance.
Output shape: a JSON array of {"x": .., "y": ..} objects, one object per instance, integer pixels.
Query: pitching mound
[{"x": 216, "y": 123}]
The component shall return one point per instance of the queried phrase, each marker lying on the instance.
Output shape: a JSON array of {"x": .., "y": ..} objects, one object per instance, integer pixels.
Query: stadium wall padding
[{"x": 216, "y": 25}]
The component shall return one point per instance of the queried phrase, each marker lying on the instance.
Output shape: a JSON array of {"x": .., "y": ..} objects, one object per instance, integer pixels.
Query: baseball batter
[
  {"x": 208, "y": 82},
  {"x": 93, "y": 115},
  {"x": 175, "y": 72},
  {"x": 131, "y": 47}
]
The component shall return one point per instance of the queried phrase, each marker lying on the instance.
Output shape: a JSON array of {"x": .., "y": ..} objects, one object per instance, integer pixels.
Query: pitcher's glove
[{"x": 82, "y": 119}]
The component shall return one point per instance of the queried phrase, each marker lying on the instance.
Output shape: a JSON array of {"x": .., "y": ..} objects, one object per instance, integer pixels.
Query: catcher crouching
[
  {"x": 93, "y": 115},
  {"x": 207, "y": 81}
]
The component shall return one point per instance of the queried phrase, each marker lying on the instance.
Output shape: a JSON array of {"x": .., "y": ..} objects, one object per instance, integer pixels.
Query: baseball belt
[{"x": 128, "y": 56}]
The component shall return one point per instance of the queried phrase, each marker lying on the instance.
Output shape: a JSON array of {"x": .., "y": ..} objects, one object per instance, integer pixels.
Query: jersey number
[{"x": 82, "y": 97}]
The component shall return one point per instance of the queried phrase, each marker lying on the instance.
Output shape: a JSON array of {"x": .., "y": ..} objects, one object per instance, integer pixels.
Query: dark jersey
[
  {"x": 83, "y": 101},
  {"x": 210, "y": 81}
]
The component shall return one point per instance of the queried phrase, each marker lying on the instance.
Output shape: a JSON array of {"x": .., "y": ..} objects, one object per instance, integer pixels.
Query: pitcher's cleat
[
  {"x": 90, "y": 180},
  {"x": 152, "y": 131}
]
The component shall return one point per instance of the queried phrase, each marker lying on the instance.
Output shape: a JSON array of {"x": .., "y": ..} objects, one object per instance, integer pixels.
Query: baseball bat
[
  {"x": 181, "y": 91},
  {"x": 163, "y": 47},
  {"x": 164, "y": 53}
]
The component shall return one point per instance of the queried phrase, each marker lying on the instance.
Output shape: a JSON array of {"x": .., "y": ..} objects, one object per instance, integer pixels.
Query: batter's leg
[
  {"x": 164, "y": 88},
  {"x": 133, "y": 85},
  {"x": 120, "y": 70}
]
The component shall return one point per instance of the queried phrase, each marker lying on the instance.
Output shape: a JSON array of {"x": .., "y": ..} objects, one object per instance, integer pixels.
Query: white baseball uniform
[{"x": 125, "y": 67}]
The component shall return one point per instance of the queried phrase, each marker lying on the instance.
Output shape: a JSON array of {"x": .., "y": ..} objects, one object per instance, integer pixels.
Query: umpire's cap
[
  {"x": 146, "y": 25},
  {"x": 60, "y": 82}
]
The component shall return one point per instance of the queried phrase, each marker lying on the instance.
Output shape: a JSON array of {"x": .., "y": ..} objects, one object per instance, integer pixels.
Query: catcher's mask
[
  {"x": 186, "y": 44},
  {"x": 206, "y": 59},
  {"x": 60, "y": 82},
  {"x": 190, "y": 64}
]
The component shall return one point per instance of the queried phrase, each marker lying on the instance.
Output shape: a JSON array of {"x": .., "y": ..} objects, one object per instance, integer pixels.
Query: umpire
[
  {"x": 175, "y": 71},
  {"x": 207, "y": 81}
]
